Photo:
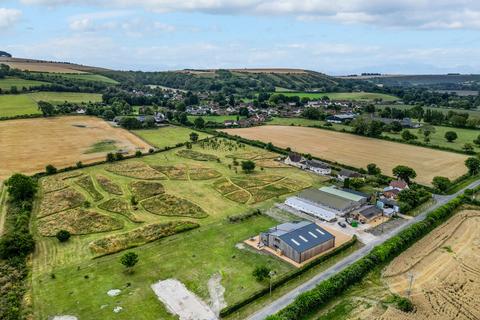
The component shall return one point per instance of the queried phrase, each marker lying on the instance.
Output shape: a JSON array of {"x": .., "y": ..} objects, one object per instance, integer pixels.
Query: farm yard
[
  {"x": 25, "y": 104},
  {"x": 359, "y": 151},
  {"x": 28, "y": 145},
  {"x": 104, "y": 222}
]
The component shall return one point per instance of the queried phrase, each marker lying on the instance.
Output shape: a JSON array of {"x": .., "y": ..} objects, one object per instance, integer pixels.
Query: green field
[
  {"x": 356, "y": 96},
  {"x": 66, "y": 279},
  {"x": 219, "y": 119},
  {"x": 473, "y": 113},
  {"x": 8, "y": 82},
  {"x": 22, "y": 104},
  {"x": 19, "y": 104},
  {"x": 86, "y": 77},
  {"x": 167, "y": 136}
]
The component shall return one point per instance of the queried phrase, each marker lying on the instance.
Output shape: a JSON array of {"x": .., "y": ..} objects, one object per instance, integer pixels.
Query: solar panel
[
  {"x": 320, "y": 231},
  {"x": 312, "y": 234},
  {"x": 295, "y": 242},
  {"x": 303, "y": 238}
]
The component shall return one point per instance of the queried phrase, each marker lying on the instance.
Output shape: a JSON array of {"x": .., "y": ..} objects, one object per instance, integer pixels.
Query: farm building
[
  {"x": 298, "y": 241},
  {"x": 368, "y": 213},
  {"x": 356, "y": 196},
  {"x": 325, "y": 203},
  {"x": 345, "y": 173},
  {"x": 340, "y": 118},
  {"x": 318, "y": 167}
]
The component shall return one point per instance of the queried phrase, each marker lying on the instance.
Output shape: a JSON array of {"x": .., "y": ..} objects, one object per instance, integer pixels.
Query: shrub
[
  {"x": 404, "y": 304},
  {"x": 451, "y": 136},
  {"x": 248, "y": 166},
  {"x": 129, "y": 260},
  {"x": 63, "y": 235},
  {"x": 261, "y": 273},
  {"x": 138, "y": 153},
  {"x": 110, "y": 157}
]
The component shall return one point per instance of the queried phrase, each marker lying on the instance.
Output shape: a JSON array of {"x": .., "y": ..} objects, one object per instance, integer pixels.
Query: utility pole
[
  {"x": 411, "y": 277},
  {"x": 270, "y": 276}
]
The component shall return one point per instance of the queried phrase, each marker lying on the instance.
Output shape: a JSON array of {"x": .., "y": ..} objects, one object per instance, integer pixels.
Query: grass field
[
  {"x": 22, "y": 104},
  {"x": 359, "y": 151},
  {"x": 86, "y": 77},
  {"x": 357, "y": 96},
  {"x": 28, "y": 145},
  {"x": 191, "y": 257},
  {"x": 8, "y": 82},
  {"x": 167, "y": 136},
  {"x": 473, "y": 113},
  {"x": 219, "y": 119}
]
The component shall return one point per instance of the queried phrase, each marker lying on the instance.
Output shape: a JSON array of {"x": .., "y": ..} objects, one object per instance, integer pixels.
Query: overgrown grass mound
[
  {"x": 109, "y": 186},
  {"x": 119, "y": 206},
  {"x": 139, "y": 236},
  {"x": 60, "y": 200},
  {"x": 146, "y": 189},
  {"x": 86, "y": 183},
  {"x": 135, "y": 169},
  {"x": 178, "y": 172},
  {"x": 77, "y": 221},
  {"x": 195, "y": 155},
  {"x": 199, "y": 173},
  {"x": 170, "y": 205}
]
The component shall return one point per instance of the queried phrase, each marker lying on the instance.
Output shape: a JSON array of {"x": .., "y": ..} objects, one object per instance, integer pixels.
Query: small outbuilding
[{"x": 299, "y": 241}]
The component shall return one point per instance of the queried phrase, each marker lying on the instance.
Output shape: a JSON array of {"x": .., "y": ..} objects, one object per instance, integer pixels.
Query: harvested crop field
[
  {"x": 445, "y": 270},
  {"x": 359, "y": 151},
  {"x": 28, "y": 145}
]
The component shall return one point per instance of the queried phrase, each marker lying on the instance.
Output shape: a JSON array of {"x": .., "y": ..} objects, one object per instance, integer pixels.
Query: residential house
[
  {"x": 341, "y": 118},
  {"x": 345, "y": 173},
  {"x": 367, "y": 214}
]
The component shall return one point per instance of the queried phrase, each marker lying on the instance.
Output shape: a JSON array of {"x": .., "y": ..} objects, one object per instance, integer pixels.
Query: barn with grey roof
[{"x": 298, "y": 241}]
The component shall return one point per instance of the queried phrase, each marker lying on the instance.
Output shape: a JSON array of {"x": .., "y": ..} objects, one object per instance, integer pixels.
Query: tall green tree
[{"x": 405, "y": 173}]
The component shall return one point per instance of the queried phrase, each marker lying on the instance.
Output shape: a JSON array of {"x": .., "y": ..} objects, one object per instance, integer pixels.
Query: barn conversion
[{"x": 298, "y": 241}]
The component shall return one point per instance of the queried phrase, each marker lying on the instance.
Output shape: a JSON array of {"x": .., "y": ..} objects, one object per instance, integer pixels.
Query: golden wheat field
[
  {"x": 28, "y": 145},
  {"x": 359, "y": 151}
]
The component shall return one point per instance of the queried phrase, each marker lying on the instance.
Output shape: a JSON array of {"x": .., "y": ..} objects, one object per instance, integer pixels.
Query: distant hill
[
  {"x": 240, "y": 80},
  {"x": 438, "y": 81},
  {"x": 5, "y": 54},
  {"x": 46, "y": 66}
]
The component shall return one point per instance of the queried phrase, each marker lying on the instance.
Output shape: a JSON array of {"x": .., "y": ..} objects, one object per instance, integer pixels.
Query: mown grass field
[
  {"x": 356, "y": 96},
  {"x": 219, "y": 119},
  {"x": 475, "y": 113},
  {"x": 9, "y": 82},
  {"x": 22, "y": 104},
  {"x": 87, "y": 77},
  {"x": 79, "y": 285},
  {"x": 167, "y": 136}
]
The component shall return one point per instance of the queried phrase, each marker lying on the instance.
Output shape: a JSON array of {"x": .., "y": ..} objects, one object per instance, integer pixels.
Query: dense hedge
[
  {"x": 310, "y": 301},
  {"x": 287, "y": 277}
]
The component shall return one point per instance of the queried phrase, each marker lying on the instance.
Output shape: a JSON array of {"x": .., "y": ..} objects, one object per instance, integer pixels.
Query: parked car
[{"x": 342, "y": 224}]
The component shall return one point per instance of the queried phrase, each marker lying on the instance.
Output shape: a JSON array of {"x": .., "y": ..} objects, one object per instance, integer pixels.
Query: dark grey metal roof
[
  {"x": 371, "y": 211},
  {"x": 317, "y": 164},
  {"x": 306, "y": 237}
]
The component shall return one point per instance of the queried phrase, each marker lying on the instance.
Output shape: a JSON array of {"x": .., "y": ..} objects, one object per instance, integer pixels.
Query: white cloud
[
  {"x": 8, "y": 17},
  {"x": 405, "y": 13}
]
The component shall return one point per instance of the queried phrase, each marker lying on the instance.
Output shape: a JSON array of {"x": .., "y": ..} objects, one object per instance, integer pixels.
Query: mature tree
[
  {"x": 370, "y": 108},
  {"x": 311, "y": 113},
  {"x": 21, "y": 187},
  {"x": 108, "y": 115},
  {"x": 199, "y": 123},
  {"x": 373, "y": 170},
  {"x": 451, "y": 136},
  {"x": 50, "y": 169},
  {"x": 193, "y": 136},
  {"x": 427, "y": 131},
  {"x": 396, "y": 126},
  {"x": 243, "y": 111},
  {"x": 261, "y": 273},
  {"x": 248, "y": 166},
  {"x": 110, "y": 157},
  {"x": 356, "y": 183},
  {"x": 407, "y": 135},
  {"x": 46, "y": 108},
  {"x": 405, "y": 173},
  {"x": 14, "y": 244},
  {"x": 129, "y": 260},
  {"x": 441, "y": 183},
  {"x": 375, "y": 128},
  {"x": 63, "y": 235},
  {"x": 473, "y": 165}
]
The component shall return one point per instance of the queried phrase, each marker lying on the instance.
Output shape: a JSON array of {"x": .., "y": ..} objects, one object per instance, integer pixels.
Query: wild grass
[
  {"x": 109, "y": 186},
  {"x": 60, "y": 200},
  {"x": 86, "y": 183},
  {"x": 195, "y": 155},
  {"x": 170, "y": 205},
  {"x": 145, "y": 189},
  {"x": 135, "y": 169}
]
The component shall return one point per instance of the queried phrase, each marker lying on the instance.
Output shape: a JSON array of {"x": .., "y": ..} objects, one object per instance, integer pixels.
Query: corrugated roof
[
  {"x": 342, "y": 193},
  {"x": 326, "y": 199},
  {"x": 306, "y": 237}
]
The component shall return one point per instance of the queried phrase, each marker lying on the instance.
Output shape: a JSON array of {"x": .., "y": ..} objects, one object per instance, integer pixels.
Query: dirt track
[
  {"x": 28, "y": 145},
  {"x": 359, "y": 151},
  {"x": 446, "y": 283}
]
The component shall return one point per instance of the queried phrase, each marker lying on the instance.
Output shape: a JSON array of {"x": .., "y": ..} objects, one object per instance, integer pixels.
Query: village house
[
  {"x": 318, "y": 167},
  {"x": 341, "y": 118},
  {"x": 367, "y": 214},
  {"x": 394, "y": 188},
  {"x": 348, "y": 174}
]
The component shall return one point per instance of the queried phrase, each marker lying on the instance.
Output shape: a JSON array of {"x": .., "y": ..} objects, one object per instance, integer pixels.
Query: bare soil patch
[
  {"x": 28, "y": 145},
  {"x": 359, "y": 151},
  {"x": 445, "y": 270}
]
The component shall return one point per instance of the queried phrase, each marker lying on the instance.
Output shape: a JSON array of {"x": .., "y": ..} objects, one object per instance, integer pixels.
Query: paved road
[{"x": 286, "y": 299}]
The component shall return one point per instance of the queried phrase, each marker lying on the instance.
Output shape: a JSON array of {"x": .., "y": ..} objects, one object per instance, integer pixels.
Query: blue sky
[{"x": 335, "y": 37}]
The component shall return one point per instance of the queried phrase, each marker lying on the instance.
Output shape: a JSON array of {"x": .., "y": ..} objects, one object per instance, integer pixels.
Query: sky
[{"x": 335, "y": 37}]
